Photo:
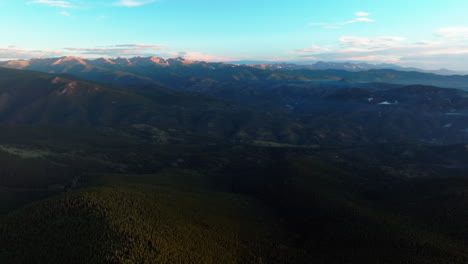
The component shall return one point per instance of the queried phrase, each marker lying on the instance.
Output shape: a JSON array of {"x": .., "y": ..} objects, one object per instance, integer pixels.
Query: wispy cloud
[
  {"x": 392, "y": 49},
  {"x": 361, "y": 14},
  {"x": 199, "y": 56},
  {"x": 120, "y": 50},
  {"x": 308, "y": 50},
  {"x": 62, "y": 4},
  {"x": 124, "y": 50},
  {"x": 352, "y": 43},
  {"x": 149, "y": 46},
  {"x": 453, "y": 33},
  {"x": 14, "y": 52},
  {"x": 360, "y": 17},
  {"x": 372, "y": 43},
  {"x": 133, "y": 3},
  {"x": 64, "y": 13}
]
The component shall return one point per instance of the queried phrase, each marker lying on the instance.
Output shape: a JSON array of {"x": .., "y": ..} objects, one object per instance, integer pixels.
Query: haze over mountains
[
  {"x": 138, "y": 70},
  {"x": 349, "y": 66}
]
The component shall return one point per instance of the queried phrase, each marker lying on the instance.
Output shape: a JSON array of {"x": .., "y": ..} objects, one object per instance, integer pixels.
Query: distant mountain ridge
[
  {"x": 180, "y": 73},
  {"x": 148, "y": 61},
  {"x": 348, "y": 66},
  {"x": 71, "y": 60}
]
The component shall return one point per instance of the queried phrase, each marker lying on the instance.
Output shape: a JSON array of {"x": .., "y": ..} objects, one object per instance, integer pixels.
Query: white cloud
[
  {"x": 125, "y": 50},
  {"x": 121, "y": 50},
  {"x": 158, "y": 47},
  {"x": 360, "y": 17},
  {"x": 452, "y": 33},
  {"x": 308, "y": 50},
  {"x": 361, "y": 14},
  {"x": 64, "y": 13},
  {"x": 372, "y": 43},
  {"x": 14, "y": 52},
  {"x": 394, "y": 49},
  {"x": 133, "y": 3},
  {"x": 199, "y": 56},
  {"x": 62, "y": 4}
]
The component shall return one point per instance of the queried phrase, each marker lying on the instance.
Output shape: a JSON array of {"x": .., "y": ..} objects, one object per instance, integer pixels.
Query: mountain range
[
  {"x": 151, "y": 160},
  {"x": 241, "y": 103},
  {"x": 348, "y": 66},
  {"x": 181, "y": 73}
]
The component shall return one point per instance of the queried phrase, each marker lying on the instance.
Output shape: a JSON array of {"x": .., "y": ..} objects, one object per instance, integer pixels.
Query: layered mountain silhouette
[
  {"x": 237, "y": 102},
  {"x": 176, "y": 72}
]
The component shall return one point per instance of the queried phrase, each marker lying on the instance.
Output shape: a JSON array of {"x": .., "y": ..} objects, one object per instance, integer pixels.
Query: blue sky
[{"x": 429, "y": 34}]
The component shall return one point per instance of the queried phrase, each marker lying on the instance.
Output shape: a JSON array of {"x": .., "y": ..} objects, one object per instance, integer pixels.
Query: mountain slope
[
  {"x": 145, "y": 219},
  {"x": 321, "y": 112},
  {"x": 37, "y": 98},
  {"x": 31, "y": 98}
]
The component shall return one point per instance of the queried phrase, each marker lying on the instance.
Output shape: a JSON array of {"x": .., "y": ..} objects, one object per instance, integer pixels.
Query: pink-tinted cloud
[{"x": 120, "y": 50}]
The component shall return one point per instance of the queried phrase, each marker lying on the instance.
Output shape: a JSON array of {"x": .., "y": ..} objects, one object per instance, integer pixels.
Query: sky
[{"x": 428, "y": 34}]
